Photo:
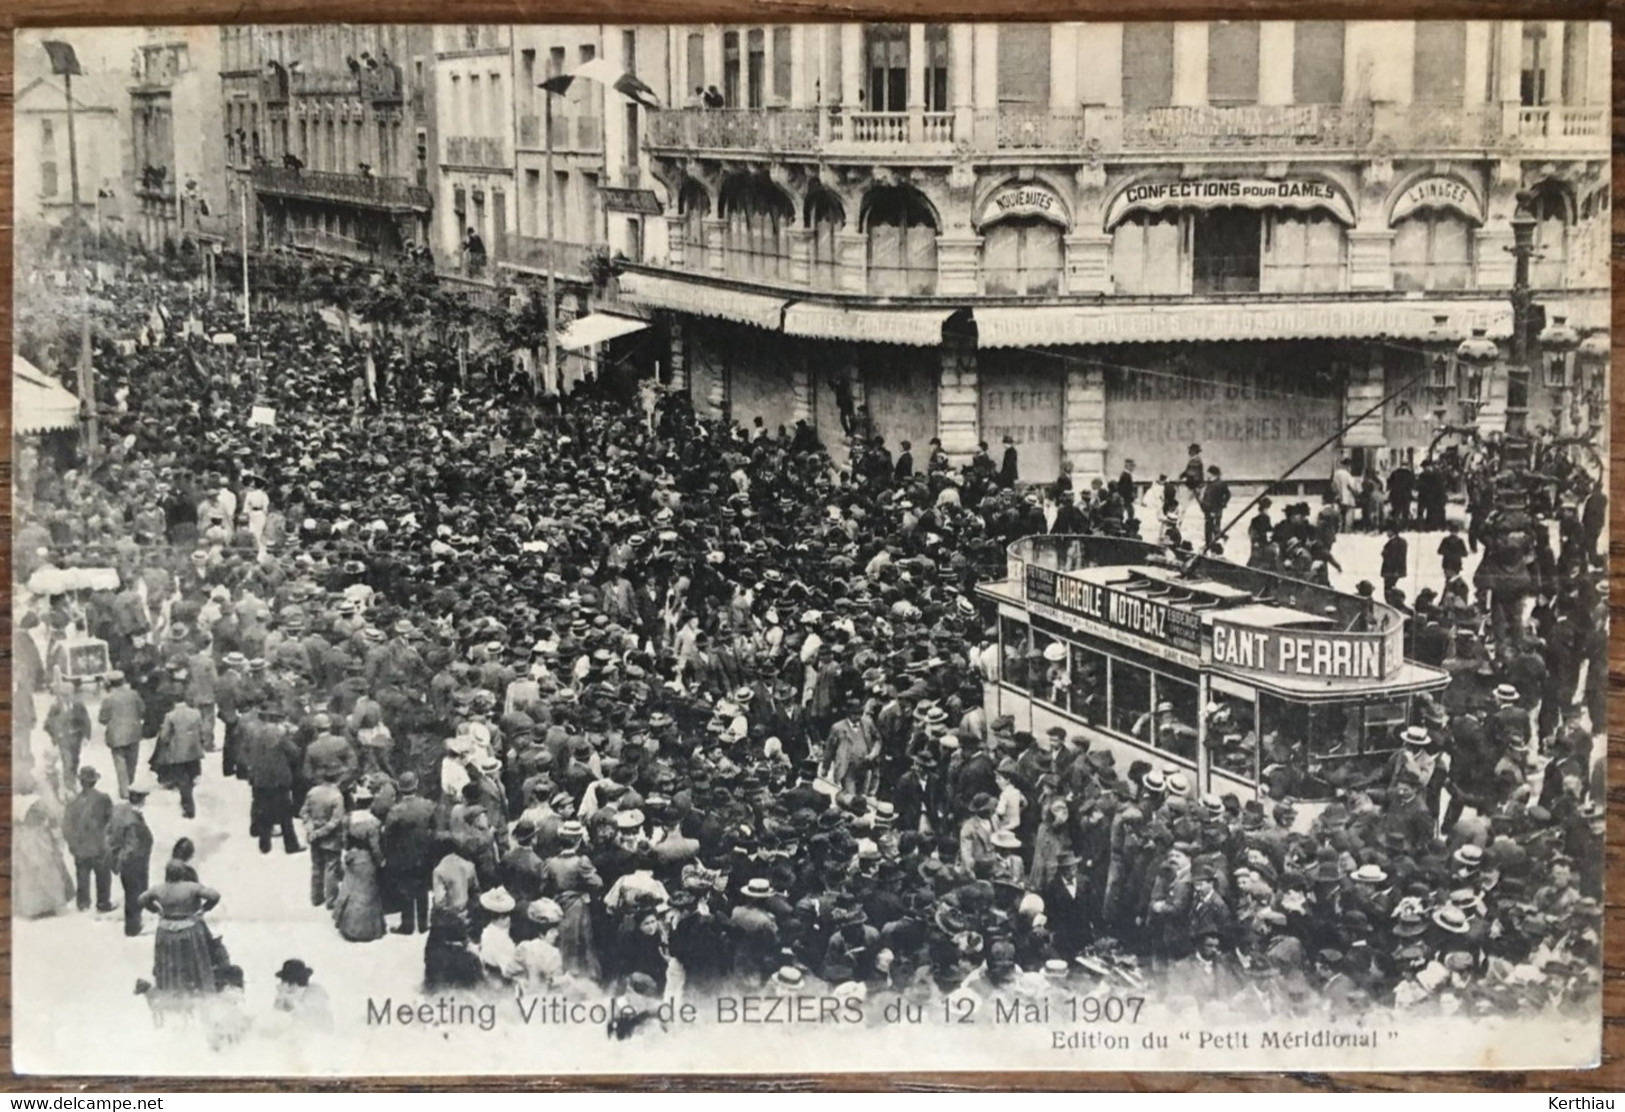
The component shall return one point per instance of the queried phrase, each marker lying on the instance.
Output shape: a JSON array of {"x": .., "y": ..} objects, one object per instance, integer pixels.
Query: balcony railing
[
  {"x": 1207, "y": 129},
  {"x": 382, "y": 85},
  {"x": 333, "y": 244},
  {"x": 566, "y": 257},
  {"x": 1562, "y": 125},
  {"x": 355, "y": 189},
  {"x": 477, "y": 150},
  {"x": 311, "y": 82}
]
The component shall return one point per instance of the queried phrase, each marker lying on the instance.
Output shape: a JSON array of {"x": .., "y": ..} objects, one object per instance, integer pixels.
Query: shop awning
[
  {"x": 918, "y": 327},
  {"x": 703, "y": 300},
  {"x": 1584, "y": 313},
  {"x": 595, "y": 328},
  {"x": 1283, "y": 320},
  {"x": 38, "y": 402}
]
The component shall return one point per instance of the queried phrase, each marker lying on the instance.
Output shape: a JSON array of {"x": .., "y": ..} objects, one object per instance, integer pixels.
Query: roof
[{"x": 91, "y": 93}]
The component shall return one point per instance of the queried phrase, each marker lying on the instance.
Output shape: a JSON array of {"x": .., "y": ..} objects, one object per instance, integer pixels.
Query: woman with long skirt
[{"x": 183, "y": 960}]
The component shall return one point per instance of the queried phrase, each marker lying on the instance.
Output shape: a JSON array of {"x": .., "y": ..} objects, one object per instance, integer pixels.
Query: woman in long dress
[
  {"x": 41, "y": 883},
  {"x": 183, "y": 960},
  {"x": 359, "y": 910}
]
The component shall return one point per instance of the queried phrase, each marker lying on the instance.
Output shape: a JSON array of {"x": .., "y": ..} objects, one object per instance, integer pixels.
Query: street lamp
[
  {"x": 65, "y": 64},
  {"x": 1442, "y": 376},
  {"x": 1592, "y": 358}
]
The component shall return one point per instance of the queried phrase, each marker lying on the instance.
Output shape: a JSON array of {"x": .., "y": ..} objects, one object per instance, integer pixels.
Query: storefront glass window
[
  {"x": 902, "y": 235},
  {"x": 1305, "y": 253},
  {"x": 1013, "y": 636},
  {"x": 1021, "y": 257},
  {"x": 1148, "y": 255},
  {"x": 1433, "y": 250},
  {"x": 759, "y": 217},
  {"x": 1226, "y": 250}
]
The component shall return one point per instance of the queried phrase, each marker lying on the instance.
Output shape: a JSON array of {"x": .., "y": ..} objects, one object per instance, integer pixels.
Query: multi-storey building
[
  {"x": 43, "y": 191},
  {"x": 177, "y": 171},
  {"x": 1112, "y": 239},
  {"x": 331, "y": 126},
  {"x": 475, "y": 99}
]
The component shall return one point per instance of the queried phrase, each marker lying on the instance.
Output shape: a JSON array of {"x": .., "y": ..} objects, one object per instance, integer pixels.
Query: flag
[
  {"x": 63, "y": 60},
  {"x": 605, "y": 73}
]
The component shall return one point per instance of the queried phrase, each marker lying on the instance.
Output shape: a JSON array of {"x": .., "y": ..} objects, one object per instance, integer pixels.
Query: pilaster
[
  {"x": 959, "y": 401},
  {"x": 1371, "y": 265},
  {"x": 1083, "y": 423},
  {"x": 956, "y": 265},
  {"x": 1088, "y": 263}
]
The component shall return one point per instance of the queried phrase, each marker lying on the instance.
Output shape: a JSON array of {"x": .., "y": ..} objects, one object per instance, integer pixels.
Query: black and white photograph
[{"x": 809, "y": 548}]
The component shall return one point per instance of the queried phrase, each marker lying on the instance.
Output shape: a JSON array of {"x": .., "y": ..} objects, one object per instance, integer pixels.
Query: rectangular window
[
  {"x": 1087, "y": 696},
  {"x": 629, "y": 51},
  {"x": 1046, "y": 679},
  {"x": 1440, "y": 68},
  {"x": 1317, "y": 61},
  {"x": 1232, "y": 62},
  {"x": 1576, "y": 54},
  {"x": 1175, "y": 715},
  {"x": 886, "y": 48},
  {"x": 47, "y": 179},
  {"x": 756, "y": 64},
  {"x": 1023, "y": 65},
  {"x": 936, "y": 68},
  {"x": 1232, "y": 735},
  {"x": 1148, "y": 65},
  {"x": 634, "y": 239},
  {"x": 527, "y": 82},
  {"x": 530, "y": 212},
  {"x": 47, "y": 135},
  {"x": 555, "y": 62},
  {"x": 781, "y": 64},
  {"x": 696, "y": 63},
  {"x": 1148, "y": 254},
  {"x": 730, "y": 69},
  {"x": 1304, "y": 254},
  {"x": 1130, "y": 688}
]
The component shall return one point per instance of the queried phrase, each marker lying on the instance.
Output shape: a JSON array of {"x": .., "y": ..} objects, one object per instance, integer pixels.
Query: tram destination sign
[
  {"x": 1309, "y": 654},
  {"x": 1118, "y": 610}
]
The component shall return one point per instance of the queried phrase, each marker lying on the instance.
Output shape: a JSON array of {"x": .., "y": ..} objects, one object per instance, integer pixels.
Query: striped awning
[
  {"x": 38, "y": 402},
  {"x": 703, "y": 300},
  {"x": 916, "y": 327},
  {"x": 1282, "y": 320}
]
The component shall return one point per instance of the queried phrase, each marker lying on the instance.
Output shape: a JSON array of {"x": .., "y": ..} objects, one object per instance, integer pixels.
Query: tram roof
[{"x": 1203, "y": 585}]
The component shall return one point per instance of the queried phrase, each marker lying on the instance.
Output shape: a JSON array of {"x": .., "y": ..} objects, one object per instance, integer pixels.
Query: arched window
[
  {"x": 1553, "y": 210},
  {"x": 1022, "y": 256},
  {"x": 902, "y": 235},
  {"x": 1148, "y": 253},
  {"x": 825, "y": 216},
  {"x": 694, "y": 206},
  {"x": 1433, "y": 250},
  {"x": 759, "y": 217},
  {"x": 1304, "y": 252}
]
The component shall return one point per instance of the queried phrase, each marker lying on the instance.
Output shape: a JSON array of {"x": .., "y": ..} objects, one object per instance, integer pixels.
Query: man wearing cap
[
  {"x": 129, "y": 848},
  {"x": 84, "y": 827},
  {"x": 122, "y": 714},
  {"x": 67, "y": 723}
]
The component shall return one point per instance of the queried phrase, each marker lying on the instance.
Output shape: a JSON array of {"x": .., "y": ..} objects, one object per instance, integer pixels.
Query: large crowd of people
[{"x": 608, "y": 699}]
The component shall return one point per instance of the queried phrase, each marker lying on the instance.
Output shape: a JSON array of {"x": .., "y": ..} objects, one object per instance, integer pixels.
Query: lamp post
[
  {"x": 1442, "y": 372},
  {"x": 1591, "y": 359},
  {"x": 1558, "y": 342},
  {"x": 65, "y": 64},
  {"x": 1477, "y": 353}
]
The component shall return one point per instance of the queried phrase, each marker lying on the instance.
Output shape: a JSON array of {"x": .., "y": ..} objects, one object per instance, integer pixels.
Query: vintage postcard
[{"x": 800, "y": 548}]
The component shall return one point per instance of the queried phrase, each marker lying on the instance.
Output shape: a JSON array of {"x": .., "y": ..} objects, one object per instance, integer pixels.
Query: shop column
[
  {"x": 1083, "y": 428},
  {"x": 958, "y": 402},
  {"x": 1367, "y": 383}
]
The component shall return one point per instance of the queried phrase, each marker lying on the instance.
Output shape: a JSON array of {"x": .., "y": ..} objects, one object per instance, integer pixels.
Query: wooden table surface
[{"x": 65, "y": 13}]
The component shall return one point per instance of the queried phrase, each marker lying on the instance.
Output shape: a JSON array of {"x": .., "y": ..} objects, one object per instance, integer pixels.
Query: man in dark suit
[
  {"x": 1009, "y": 470},
  {"x": 129, "y": 848},
  {"x": 916, "y": 810},
  {"x": 903, "y": 469},
  {"x": 84, "y": 828},
  {"x": 410, "y": 854},
  {"x": 1066, "y": 907}
]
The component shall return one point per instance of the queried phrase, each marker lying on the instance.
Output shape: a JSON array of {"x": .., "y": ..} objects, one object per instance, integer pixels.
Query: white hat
[
  {"x": 497, "y": 901},
  {"x": 1055, "y": 652}
]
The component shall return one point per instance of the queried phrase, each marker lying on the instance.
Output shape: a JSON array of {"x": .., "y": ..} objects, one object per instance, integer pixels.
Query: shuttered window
[
  {"x": 1440, "y": 71},
  {"x": 1024, "y": 64},
  {"x": 1317, "y": 62},
  {"x": 1232, "y": 63},
  {"x": 1148, "y": 65}
]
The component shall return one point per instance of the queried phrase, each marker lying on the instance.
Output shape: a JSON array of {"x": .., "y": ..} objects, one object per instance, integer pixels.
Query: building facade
[
  {"x": 1108, "y": 239},
  {"x": 330, "y": 126},
  {"x": 177, "y": 169},
  {"x": 43, "y": 193},
  {"x": 476, "y": 109}
]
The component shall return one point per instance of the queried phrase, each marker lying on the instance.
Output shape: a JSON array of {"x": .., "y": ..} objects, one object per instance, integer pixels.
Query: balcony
[
  {"x": 333, "y": 245},
  {"x": 390, "y": 194},
  {"x": 533, "y": 253},
  {"x": 382, "y": 85},
  {"x": 483, "y": 151},
  {"x": 309, "y": 82},
  {"x": 274, "y": 87},
  {"x": 1208, "y": 129}
]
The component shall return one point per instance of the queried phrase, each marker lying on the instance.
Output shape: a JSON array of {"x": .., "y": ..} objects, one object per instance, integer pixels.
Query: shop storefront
[{"x": 1023, "y": 397}]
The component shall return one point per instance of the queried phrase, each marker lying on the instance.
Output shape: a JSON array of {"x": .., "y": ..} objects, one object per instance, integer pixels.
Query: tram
[{"x": 1247, "y": 681}]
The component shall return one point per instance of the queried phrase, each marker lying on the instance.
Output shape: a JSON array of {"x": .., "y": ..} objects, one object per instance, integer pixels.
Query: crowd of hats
[{"x": 685, "y": 615}]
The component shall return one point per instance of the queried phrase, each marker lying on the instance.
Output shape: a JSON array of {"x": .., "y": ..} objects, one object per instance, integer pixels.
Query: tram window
[
  {"x": 1287, "y": 769},
  {"x": 1176, "y": 716},
  {"x": 1048, "y": 675},
  {"x": 1013, "y": 637},
  {"x": 1130, "y": 699},
  {"x": 1088, "y": 684},
  {"x": 1383, "y": 721},
  {"x": 1232, "y": 736}
]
